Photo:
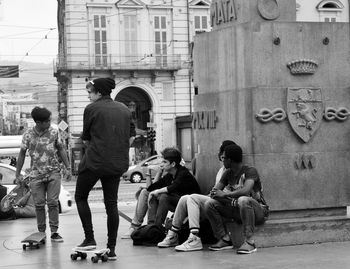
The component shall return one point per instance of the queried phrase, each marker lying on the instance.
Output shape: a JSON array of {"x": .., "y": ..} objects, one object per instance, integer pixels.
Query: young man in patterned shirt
[{"x": 46, "y": 150}]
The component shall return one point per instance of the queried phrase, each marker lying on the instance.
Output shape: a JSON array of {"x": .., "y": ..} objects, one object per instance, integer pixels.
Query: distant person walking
[
  {"x": 45, "y": 147},
  {"x": 108, "y": 132},
  {"x": 13, "y": 161}
]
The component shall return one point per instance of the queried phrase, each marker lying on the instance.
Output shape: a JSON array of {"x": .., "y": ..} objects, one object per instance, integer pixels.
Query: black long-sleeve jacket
[
  {"x": 183, "y": 183},
  {"x": 107, "y": 127}
]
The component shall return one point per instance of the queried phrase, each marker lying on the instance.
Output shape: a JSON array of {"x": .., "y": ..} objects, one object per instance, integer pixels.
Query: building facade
[
  {"x": 322, "y": 11},
  {"x": 146, "y": 47}
]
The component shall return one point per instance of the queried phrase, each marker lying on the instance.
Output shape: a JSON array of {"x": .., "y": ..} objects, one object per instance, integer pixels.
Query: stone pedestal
[{"x": 281, "y": 90}]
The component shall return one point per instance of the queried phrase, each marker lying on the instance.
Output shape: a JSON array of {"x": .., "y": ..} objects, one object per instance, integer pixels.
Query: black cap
[{"x": 103, "y": 85}]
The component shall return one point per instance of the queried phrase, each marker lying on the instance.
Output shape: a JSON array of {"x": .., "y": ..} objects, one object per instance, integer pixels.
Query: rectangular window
[
  {"x": 197, "y": 22},
  {"x": 200, "y": 23},
  {"x": 160, "y": 40},
  {"x": 205, "y": 22},
  {"x": 130, "y": 36},
  {"x": 96, "y": 21},
  {"x": 100, "y": 32}
]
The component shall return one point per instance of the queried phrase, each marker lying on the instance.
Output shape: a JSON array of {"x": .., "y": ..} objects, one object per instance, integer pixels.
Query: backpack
[
  {"x": 205, "y": 231},
  {"x": 148, "y": 235}
]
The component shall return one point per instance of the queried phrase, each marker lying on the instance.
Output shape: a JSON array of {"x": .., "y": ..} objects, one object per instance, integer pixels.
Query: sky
[{"x": 28, "y": 31}]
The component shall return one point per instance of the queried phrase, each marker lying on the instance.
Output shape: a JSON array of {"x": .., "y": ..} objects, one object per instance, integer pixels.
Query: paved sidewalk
[{"x": 57, "y": 255}]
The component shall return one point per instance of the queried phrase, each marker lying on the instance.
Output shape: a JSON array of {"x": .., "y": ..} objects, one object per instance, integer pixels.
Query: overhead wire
[
  {"x": 24, "y": 26},
  {"x": 75, "y": 23},
  {"x": 82, "y": 21},
  {"x": 26, "y": 33}
]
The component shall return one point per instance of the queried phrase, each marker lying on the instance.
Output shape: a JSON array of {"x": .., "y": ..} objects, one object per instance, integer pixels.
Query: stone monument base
[{"x": 306, "y": 227}]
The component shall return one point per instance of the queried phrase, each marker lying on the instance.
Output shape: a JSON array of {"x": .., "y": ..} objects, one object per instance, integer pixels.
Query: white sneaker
[
  {"x": 191, "y": 244},
  {"x": 171, "y": 240},
  {"x": 127, "y": 235}
]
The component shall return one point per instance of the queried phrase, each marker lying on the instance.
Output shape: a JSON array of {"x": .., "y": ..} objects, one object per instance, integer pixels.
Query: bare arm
[
  {"x": 244, "y": 191},
  {"x": 24, "y": 200},
  {"x": 157, "y": 191},
  {"x": 63, "y": 155},
  {"x": 149, "y": 180},
  {"x": 131, "y": 140},
  {"x": 20, "y": 162}
]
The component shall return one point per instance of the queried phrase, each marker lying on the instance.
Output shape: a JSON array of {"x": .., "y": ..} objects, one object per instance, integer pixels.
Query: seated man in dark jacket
[
  {"x": 166, "y": 192},
  {"x": 163, "y": 193}
]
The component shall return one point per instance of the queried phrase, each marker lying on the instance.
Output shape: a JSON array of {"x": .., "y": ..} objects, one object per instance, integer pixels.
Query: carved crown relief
[{"x": 302, "y": 67}]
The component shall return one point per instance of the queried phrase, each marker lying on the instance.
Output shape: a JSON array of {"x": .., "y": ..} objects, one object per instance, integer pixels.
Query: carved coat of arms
[{"x": 305, "y": 111}]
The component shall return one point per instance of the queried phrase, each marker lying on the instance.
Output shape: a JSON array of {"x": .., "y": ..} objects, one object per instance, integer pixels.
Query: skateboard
[
  {"x": 124, "y": 216},
  {"x": 99, "y": 254},
  {"x": 34, "y": 240}
]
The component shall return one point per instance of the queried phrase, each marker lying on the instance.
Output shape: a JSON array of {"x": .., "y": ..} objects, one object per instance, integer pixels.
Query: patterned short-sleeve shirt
[
  {"x": 234, "y": 181},
  {"x": 42, "y": 149}
]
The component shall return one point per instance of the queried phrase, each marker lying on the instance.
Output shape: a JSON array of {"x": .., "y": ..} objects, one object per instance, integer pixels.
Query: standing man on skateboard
[
  {"x": 45, "y": 147},
  {"x": 107, "y": 134}
]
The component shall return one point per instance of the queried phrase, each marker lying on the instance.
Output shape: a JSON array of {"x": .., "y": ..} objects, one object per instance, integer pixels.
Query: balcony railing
[{"x": 117, "y": 62}]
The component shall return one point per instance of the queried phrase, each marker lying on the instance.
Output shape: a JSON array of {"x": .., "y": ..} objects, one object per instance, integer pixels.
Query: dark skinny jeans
[
  {"x": 249, "y": 212},
  {"x": 159, "y": 207},
  {"x": 110, "y": 185}
]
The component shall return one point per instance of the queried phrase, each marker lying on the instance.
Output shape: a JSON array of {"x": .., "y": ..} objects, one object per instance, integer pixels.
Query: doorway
[{"x": 140, "y": 106}]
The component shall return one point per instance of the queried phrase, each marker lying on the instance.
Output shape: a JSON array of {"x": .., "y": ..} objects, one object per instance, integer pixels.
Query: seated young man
[
  {"x": 171, "y": 182},
  {"x": 243, "y": 202},
  {"x": 25, "y": 208},
  {"x": 191, "y": 206},
  {"x": 142, "y": 204}
]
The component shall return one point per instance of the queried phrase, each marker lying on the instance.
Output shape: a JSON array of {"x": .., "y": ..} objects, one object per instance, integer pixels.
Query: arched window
[
  {"x": 330, "y": 10},
  {"x": 330, "y": 5}
]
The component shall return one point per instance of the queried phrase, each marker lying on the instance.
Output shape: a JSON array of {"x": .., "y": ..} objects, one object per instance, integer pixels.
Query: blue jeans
[
  {"x": 249, "y": 212},
  {"x": 141, "y": 208},
  {"x": 159, "y": 207},
  {"x": 44, "y": 191},
  {"x": 110, "y": 185}
]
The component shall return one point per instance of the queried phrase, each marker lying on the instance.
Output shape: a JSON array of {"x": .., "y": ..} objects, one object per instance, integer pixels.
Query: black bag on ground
[
  {"x": 148, "y": 235},
  {"x": 205, "y": 232}
]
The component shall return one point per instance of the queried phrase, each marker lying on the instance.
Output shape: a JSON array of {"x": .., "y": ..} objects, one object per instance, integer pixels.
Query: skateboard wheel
[
  {"x": 73, "y": 257},
  {"x": 43, "y": 241},
  {"x": 37, "y": 246},
  {"x": 24, "y": 247},
  {"x": 83, "y": 256},
  {"x": 104, "y": 258},
  {"x": 94, "y": 259}
]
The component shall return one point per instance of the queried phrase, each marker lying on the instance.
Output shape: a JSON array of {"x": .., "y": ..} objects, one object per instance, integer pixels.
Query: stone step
[
  {"x": 295, "y": 231},
  {"x": 307, "y": 213}
]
